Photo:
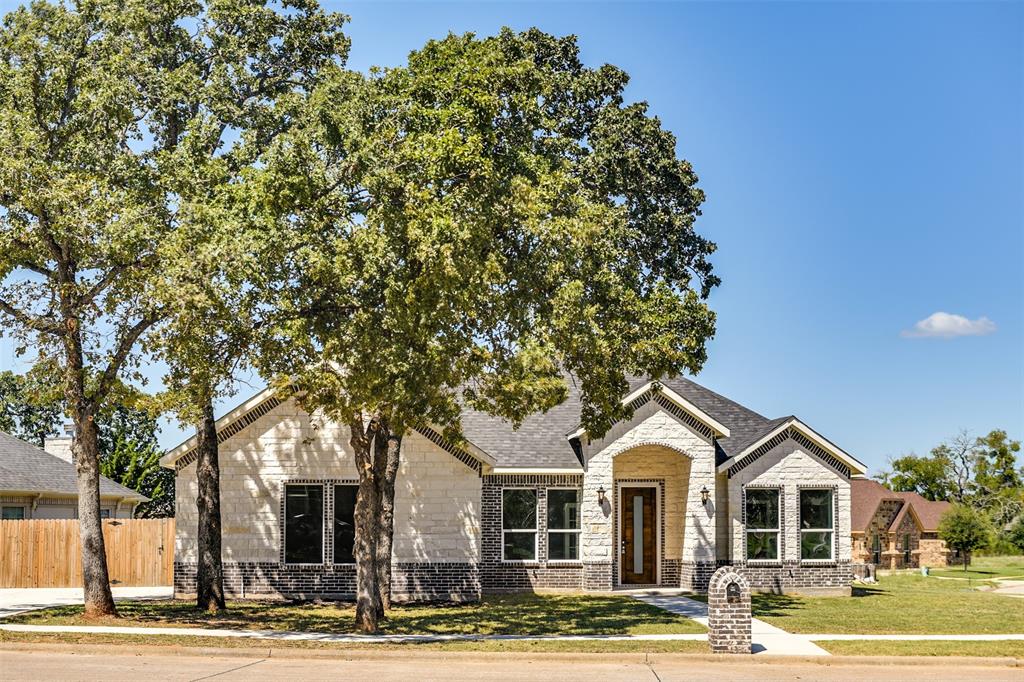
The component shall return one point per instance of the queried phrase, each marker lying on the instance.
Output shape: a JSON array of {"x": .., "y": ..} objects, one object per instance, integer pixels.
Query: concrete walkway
[
  {"x": 765, "y": 638},
  {"x": 336, "y": 637},
  {"x": 19, "y": 600}
]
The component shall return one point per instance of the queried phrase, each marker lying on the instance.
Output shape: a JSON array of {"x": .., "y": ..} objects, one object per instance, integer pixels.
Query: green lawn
[
  {"x": 986, "y": 568},
  {"x": 868, "y": 648},
  {"x": 510, "y": 646},
  {"x": 907, "y": 604},
  {"x": 495, "y": 615}
]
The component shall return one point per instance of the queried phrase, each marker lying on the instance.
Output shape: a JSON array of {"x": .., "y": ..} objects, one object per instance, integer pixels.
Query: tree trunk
[
  {"x": 99, "y": 601},
  {"x": 210, "y": 575},
  {"x": 367, "y": 513},
  {"x": 387, "y": 447}
]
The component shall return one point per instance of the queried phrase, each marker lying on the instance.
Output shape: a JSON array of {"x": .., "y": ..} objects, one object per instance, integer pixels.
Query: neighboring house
[
  {"x": 896, "y": 529},
  {"x": 692, "y": 481},
  {"x": 42, "y": 484}
]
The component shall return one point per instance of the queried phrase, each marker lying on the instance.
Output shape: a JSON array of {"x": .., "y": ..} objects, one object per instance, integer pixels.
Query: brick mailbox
[{"x": 729, "y": 612}]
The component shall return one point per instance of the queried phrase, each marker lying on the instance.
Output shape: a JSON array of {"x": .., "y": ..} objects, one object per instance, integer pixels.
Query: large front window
[
  {"x": 762, "y": 512},
  {"x": 304, "y": 524},
  {"x": 344, "y": 523},
  {"x": 817, "y": 525},
  {"x": 519, "y": 524},
  {"x": 563, "y": 525}
]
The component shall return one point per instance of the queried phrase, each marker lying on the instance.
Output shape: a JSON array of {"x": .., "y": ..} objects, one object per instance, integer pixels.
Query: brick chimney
[{"x": 60, "y": 446}]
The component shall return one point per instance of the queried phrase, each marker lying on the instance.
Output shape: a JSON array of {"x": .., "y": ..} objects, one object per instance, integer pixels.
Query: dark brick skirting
[
  {"x": 597, "y": 575},
  {"x": 413, "y": 581},
  {"x": 695, "y": 575},
  {"x": 792, "y": 576}
]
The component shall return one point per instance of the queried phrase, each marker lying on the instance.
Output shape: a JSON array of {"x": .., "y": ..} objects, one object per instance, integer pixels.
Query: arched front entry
[{"x": 651, "y": 489}]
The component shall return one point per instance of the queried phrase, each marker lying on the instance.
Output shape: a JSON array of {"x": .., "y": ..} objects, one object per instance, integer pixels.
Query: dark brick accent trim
[
  {"x": 802, "y": 440},
  {"x": 413, "y": 581},
  {"x": 499, "y": 576},
  {"x": 453, "y": 450},
  {"x": 598, "y": 576},
  {"x": 682, "y": 415},
  {"x": 231, "y": 429},
  {"x": 655, "y": 394},
  {"x": 694, "y": 575}
]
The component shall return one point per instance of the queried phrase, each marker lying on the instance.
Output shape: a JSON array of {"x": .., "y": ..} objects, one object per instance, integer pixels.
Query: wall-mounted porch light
[
  {"x": 600, "y": 496},
  {"x": 705, "y": 494}
]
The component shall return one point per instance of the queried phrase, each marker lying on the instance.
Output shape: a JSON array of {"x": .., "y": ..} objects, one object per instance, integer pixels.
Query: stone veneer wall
[
  {"x": 651, "y": 427},
  {"x": 437, "y": 511},
  {"x": 789, "y": 468},
  {"x": 501, "y": 576}
]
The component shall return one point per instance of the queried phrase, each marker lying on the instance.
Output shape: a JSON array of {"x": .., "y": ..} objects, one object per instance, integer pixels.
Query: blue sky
[{"x": 864, "y": 170}]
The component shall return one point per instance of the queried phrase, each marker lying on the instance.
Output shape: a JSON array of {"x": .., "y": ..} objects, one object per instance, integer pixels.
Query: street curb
[{"x": 342, "y": 653}]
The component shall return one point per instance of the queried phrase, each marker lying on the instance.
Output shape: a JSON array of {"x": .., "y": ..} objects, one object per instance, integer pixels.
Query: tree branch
[
  {"x": 34, "y": 322},
  {"x": 124, "y": 348}
]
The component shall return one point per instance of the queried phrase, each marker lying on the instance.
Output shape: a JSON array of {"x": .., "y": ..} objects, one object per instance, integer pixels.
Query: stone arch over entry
[{"x": 659, "y": 466}]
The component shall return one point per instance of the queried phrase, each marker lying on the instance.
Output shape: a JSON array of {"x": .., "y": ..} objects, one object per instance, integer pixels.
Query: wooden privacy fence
[{"x": 47, "y": 553}]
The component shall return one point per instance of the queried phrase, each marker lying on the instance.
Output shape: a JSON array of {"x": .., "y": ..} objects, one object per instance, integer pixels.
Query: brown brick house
[{"x": 895, "y": 529}]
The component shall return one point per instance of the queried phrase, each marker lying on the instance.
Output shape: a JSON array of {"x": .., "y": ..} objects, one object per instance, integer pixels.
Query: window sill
[
  {"x": 521, "y": 562},
  {"x": 764, "y": 562},
  {"x": 565, "y": 562}
]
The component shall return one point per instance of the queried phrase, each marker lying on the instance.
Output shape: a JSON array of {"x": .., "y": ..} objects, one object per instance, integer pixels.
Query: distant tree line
[{"x": 981, "y": 477}]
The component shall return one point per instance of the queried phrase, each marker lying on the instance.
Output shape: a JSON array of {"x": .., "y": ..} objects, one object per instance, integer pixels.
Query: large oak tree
[{"x": 494, "y": 218}]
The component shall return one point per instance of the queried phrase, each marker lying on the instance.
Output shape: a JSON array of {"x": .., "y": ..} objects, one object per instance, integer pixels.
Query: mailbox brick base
[{"x": 729, "y": 612}]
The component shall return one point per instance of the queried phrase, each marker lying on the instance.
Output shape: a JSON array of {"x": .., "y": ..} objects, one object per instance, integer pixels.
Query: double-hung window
[
  {"x": 817, "y": 525},
  {"x": 519, "y": 524},
  {"x": 344, "y": 523},
  {"x": 304, "y": 524},
  {"x": 762, "y": 514},
  {"x": 876, "y": 548},
  {"x": 563, "y": 525}
]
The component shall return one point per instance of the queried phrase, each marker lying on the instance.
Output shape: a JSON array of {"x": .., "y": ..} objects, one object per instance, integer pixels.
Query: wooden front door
[{"x": 638, "y": 553}]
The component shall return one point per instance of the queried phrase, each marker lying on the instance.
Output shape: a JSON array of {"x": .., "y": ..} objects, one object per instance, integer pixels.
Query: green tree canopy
[
  {"x": 492, "y": 218},
  {"x": 965, "y": 529}
]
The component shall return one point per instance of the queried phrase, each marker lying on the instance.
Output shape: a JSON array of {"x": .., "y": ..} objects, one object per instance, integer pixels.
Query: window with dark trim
[
  {"x": 563, "y": 524},
  {"x": 817, "y": 524},
  {"x": 763, "y": 530},
  {"x": 519, "y": 524},
  {"x": 14, "y": 513},
  {"x": 304, "y": 524},
  {"x": 344, "y": 523}
]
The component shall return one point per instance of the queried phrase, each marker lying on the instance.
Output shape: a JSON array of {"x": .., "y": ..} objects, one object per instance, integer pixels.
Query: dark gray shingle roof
[
  {"x": 541, "y": 440},
  {"x": 27, "y": 468}
]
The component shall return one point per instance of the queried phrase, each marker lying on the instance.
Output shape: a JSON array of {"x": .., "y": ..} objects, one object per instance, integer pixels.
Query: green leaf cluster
[{"x": 491, "y": 220}]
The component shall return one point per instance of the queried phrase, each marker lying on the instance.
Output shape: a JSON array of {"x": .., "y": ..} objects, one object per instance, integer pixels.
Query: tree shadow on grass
[
  {"x": 776, "y": 605},
  {"x": 520, "y": 614}
]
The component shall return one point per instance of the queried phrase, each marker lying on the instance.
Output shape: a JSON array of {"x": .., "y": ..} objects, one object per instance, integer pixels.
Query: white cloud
[{"x": 947, "y": 326}]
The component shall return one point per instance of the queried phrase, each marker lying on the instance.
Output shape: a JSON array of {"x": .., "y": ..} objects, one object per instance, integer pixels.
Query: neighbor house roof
[
  {"x": 25, "y": 468},
  {"x": 928, "y": 512},
  {"x": 546, "y": 440},
  {"x": 867, "y": 494}
]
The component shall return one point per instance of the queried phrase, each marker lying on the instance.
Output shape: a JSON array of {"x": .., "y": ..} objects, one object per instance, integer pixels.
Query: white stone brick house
[{"x": 692, "y": 481}]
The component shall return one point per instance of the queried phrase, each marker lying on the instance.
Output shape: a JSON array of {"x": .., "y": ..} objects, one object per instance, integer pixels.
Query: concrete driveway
[{"x": 19, "y": 600}]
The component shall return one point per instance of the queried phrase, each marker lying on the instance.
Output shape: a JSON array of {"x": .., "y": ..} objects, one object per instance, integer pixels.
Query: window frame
[
  {"x": 801, "y": 530},
  {"x": 323, "y": 523},
  {"x": 777, "y": 530},
  {"x": 334, "y": 510},
  {"x": 578, "y": 532},
  {"x": 535, "y": 530},
  {"x": 22, "y": 507}
]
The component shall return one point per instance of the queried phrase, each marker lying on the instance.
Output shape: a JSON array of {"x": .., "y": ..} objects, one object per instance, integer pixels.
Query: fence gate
[{"x": 47, "y": 552}]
